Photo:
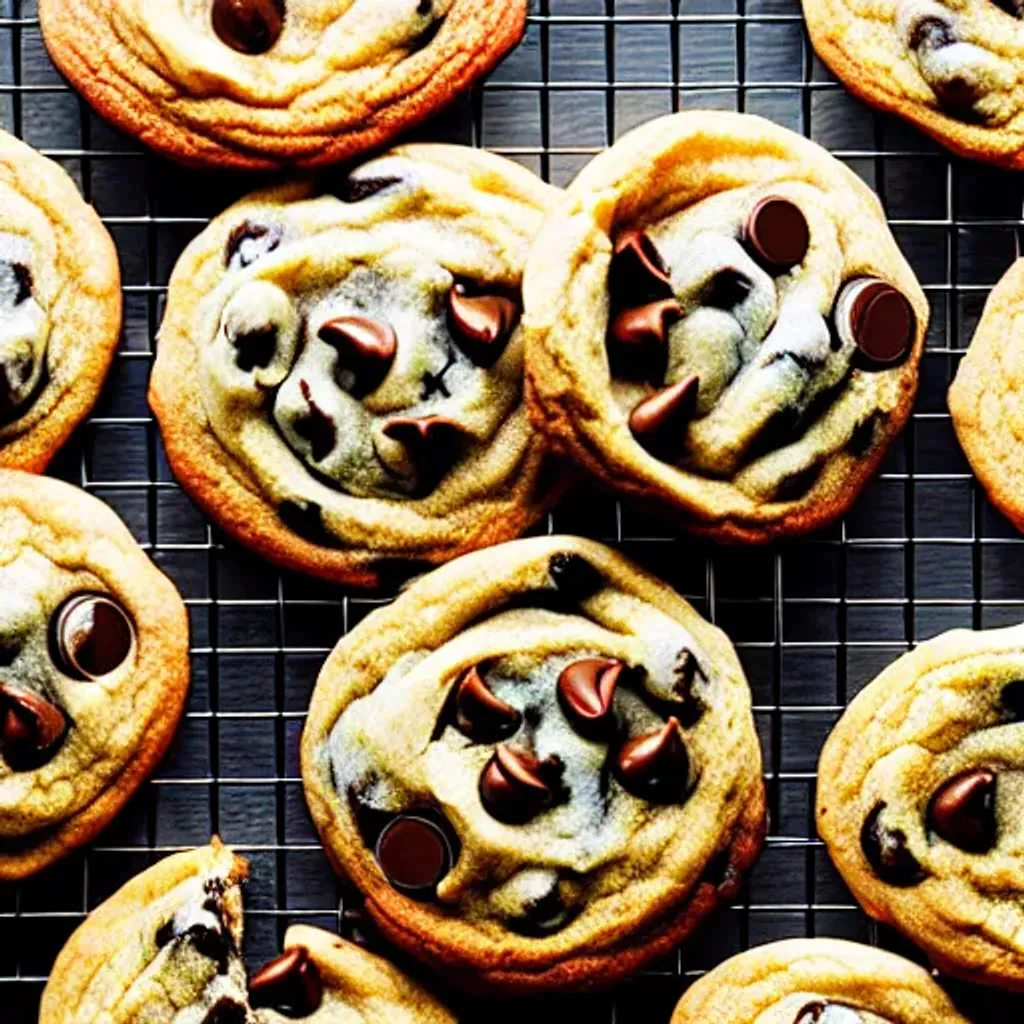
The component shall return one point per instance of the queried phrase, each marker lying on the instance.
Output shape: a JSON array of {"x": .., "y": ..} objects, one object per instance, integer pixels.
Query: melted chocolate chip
[
  {"x": 659, "y": 422},
  {"x": 316, "y": 426},
  {"x": 886, "y": 851},
  {"x": 878, "y": 319},
  {"x": 355, "y": 190},
  {"x": 1012, "y": 698},
  {"x": 638, "y": 339},
  {"x": 248, "y": 26},
  {"x": 797, "y": 485},
  {"x": 433, "y": 444},
  {"x": 1012, "y": 7},
  {"x": 31, "y": 728},
  {"x": 574, "y": 576},
  {"x": 254, "y": 349},
  {"x": 957, "y": 93},
  {"x": 655, "y": 767},
  {"x": 777, "y": 233},
  {"x": 15, "y": 283},
  {"x": 415, "y": 854},
  {"x": 366, "y": 349},
  {"x": 481, "y": 324},
  {"x": 226, "y": 1011},
  {"x": 15, "y": 372},
  {"x": 92, "y": 636},
  {"x": 728, "y": 288},
  {"x": 250, "y": 241},
  {"x": 429, "y": 34},
  {"x": 586, "y": 693},
  {"x": 862, "y": 439},
  {"x": 826, "y": 1012},
  {"x": 479, "y": 714},
  {"x": 931, "y": 34},
  {"x": 291, "y": 984},
  {"x": 543, "y": 916},
  {"x": 963, "y": 811},
  {"x": 307, "y": 521},
  {"x": 638, "y": 274},
  {"x": 515, "y": 786}
]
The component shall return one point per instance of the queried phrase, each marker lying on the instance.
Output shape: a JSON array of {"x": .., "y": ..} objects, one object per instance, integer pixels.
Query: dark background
[{"x": 920, "y": 553}]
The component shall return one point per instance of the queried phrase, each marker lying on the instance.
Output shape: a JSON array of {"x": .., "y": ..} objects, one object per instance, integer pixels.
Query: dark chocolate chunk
[
  {"x": 31, "y": 728},
  {"x": 481, "y": 324},
  {"x": 655, "y": 767},
  {"x": 432, "y": 442},
  {"x": 862, "y": 439},
  {"x": 963, "y": 811},
  {"x": 249, "y": 26},
  {"x": 366, "y": 349},
  {"x": 15, "y": 283},
  {"x": 1012, "y": 7},
  {"x": 92, "y": 636},
  {"x": 316, "y": 426},
  {"x": 1012, "y": 698},
  {"x": 586, "y": 692},
  {"x": 886, "y": 851},
  {"x": 878, "y": 319},
  {"x": 798, "y": 485},
  {"x": 931, "y": 34},
  {"x": 659, "y": 422},
  {"x": 414, "y": 853},
  {"x": 515, "y": 786},
  {"x": 957, "y": 93},
  {"x": 728, "y": 288},
  {"x": 355, "y": 190},
  {"x": 291, "y": 984},
  {"x": 777, "y": 233},
  {"x": 249, "y": 241},
  {"x": 226, "y": 1011},
  {"x": 479, "y": 714},
  {"x": 638, "y": 274},
  {"x": 254, "y": 348},
  {"x": 307, "y": 521},
  {"x": 574, "y": 576},
  {"x": 428, "y": 35}
]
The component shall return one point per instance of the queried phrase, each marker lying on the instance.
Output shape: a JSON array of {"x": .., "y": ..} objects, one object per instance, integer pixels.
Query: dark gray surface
[{"x": 921, "y": 552}]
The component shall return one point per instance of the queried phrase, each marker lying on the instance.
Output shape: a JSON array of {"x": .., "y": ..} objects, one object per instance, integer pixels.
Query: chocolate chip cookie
[
  {"x": 917, "y": 801},
  {"x": 985, "y": 401},
  {"x": 339, "y": 376},
  {"x": 539, "y": 765},
  {"x": 816, "y": 981},
  {"x": 257, "y": 84},
  {"x": 718, "y": 320},
  {"x": 94, "y": 667},
  {"x": 165, "y": 947},
  {"x": 60, "y": 306},
  {"x": 948, "y": 66}
]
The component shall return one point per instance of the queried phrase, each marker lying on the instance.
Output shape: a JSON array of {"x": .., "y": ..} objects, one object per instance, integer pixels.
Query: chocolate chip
[
  {"x": 826, "y": 1012},
  {"x": 688, "y": 707},
  {"x": 638, "y": 274},
  {"x": 957, "y": 93},
  {"x": 963, "y": 811},
  {"x": 415, "y": 854},
  {"x": 428, "y": 35},
  {"x": 307, "y": 521},
  {"x": 638, "y": 339},
  {"x": 1012, "y": 698},
  {"x": 226, "y": 1011},
  {"x": 777, "y": 233},
  {"x": 31, "y": 728},
  {"x": 291, "y": 984},
  {"x": 249, "y": 242},
  {"x": 655, "y": 767},
  {"x": 254, "y": 348},
  {"x": 586, "y": 693},
  {"x": 797, "y": 485},
  {"x": 931, "y": 34},
  {"x": 366, "y": 349},
  {"x": 659, "y": 422},
  {"x": 249, "y": 26},
  {"x": 355, "y": 190},
  {"x": 886, "y": 851},
  {"x": 15, "y": 284},
  {"x": 213, "y": 943},
  {"x": 481, "y": 324},
  {"x": 479, "y": 714},
  {"x": 315, "y": 426},
  {"x": 543, "y": 916},
  {"x": 574, "y": 576},
  {"x": 728, "y": 288},
  {"x": 15, "y": 372},
  {"x": 878, "y": 319},
  {"x": 1012, "y": 7},
  {"x": 862, "y": 439},
  {"x": 433, "y": 444},
  {"x": 92, "y": 636},
  {"x": 515, "y": 786}
]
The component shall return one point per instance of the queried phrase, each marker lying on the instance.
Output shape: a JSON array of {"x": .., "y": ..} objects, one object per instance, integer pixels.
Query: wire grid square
[{"x": 814, "y": 621}]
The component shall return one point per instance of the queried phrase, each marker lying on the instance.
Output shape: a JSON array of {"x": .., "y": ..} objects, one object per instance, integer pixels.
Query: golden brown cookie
[
  {"x": 539, "y": 765},
  {"x": 919, "y": 788},
  {"x": 339, "y": 376},
  {"x": 951, "y": 67},
  {"x": 816, "y": 981},
  {"x": 259, "y": 84},
  {"x": 986, "y": 401},
  {"x": 719, "y": 321},
  {"x": 60, "y": 306},
  {"x": 165, "y": 948},
  {"x": 94, "y": 668}
]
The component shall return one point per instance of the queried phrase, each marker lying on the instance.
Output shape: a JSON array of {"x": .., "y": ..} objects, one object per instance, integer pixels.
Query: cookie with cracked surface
[
  {"x": 94, "y": 669},
  {"x": 260, "y": 84},
  {"x": 60, "y": 306},
  {"x": 719, "y": 321},
  {"x": 918, "y": 790},
  {"x": 816, "y": 981},
  {"x": 539, "y": 765},
  {"x": 985, "y": 401},
  {"x": 165, "y": 947},
  {"x": 948, "y": 66},
  {"x": 339, "y": 376}
]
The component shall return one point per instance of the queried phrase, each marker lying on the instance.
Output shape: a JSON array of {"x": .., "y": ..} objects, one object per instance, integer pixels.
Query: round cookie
[
  {"x": 984, "y": 398},
  {"x": 538, "y": 764},
  {"x": 918, "y": 791},
  {"x": 260, "y": 84},
  {"x": 339, "y": 376},
  {"x": 166, "y": 947},
  {"x": 816, "y": 981},
  {"x": 719, "y": 321},
  {"x": 60, "y": 306},
  {"x": 94, "y": 668},
  {"x": 948, "y": 66}
]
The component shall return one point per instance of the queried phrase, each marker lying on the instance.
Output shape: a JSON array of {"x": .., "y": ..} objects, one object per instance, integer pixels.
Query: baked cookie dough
[
  {"x": 539, "y": 765},
  {"x": 719, "y": 321},
  {"x": 165, "y": 948},
  {"x": 60, "y": 306},
  {"x": 986, "y": 401},
  {"x": 94, "y": 667},
  {"x": 918, "y": 801},
  {"x": 259, "y": 84},
  {"x": 339, "y": 376},
  {"x": 951, "y": 67},
  {"x": 816, "y": 981}
]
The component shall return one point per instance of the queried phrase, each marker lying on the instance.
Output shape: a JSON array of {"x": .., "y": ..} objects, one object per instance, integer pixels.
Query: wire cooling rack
[{"x": 814, "y": 621}]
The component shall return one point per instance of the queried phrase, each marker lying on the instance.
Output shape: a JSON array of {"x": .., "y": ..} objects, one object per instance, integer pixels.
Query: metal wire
[{"x": 814, "y": 621}]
